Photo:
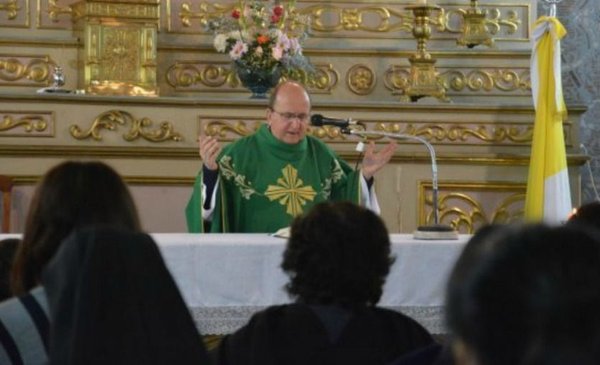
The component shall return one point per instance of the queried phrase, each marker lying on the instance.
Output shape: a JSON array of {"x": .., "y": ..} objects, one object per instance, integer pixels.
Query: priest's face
[{"x": 289, "y": 114}]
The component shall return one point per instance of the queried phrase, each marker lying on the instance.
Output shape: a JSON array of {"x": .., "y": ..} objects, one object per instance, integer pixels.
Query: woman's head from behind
[
  {"x": 527, "y": 295},
  {"x": 587, "y": 214},
  {"x": 339, "y": 253},
  {"x": 113, "y": 301},
  {"x": 71, "y": 195}
]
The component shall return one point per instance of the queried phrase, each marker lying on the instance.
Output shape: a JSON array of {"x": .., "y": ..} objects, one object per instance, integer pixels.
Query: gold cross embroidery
[{"x": 290, "y": 191}]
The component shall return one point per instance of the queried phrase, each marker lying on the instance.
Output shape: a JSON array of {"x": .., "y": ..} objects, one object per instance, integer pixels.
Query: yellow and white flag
[{"x": 548, "y": 195}]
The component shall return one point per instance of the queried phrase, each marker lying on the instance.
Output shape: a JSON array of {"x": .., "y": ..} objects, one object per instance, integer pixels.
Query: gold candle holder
[
  {"x": 424, "y": 79},
  {"x": 474, "y": 31}
]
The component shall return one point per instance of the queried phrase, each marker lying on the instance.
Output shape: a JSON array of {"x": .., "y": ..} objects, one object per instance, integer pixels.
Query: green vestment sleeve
[{"x": 193, "y": 210}]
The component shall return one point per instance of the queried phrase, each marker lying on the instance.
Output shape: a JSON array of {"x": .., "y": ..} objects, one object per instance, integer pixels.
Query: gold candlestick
[
  {"x": 424, "y": 79},
  {"x": 475, "y": 32}
]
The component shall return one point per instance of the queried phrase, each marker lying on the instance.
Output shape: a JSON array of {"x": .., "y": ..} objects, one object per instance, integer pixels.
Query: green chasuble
[{"x": 264, "y": 183}]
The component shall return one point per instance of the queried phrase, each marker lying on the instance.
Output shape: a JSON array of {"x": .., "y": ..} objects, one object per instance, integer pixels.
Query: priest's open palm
[
  {"x": 209, "y": 149},
  {"x": 374, "y": 161}
]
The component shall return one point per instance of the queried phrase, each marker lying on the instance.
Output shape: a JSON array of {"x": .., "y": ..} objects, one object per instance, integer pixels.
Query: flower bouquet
[{"x": 264, "y": 41}]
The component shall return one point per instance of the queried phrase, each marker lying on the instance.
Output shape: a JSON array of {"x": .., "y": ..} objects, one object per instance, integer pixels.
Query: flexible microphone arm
[{"x": 434, "y": 172}]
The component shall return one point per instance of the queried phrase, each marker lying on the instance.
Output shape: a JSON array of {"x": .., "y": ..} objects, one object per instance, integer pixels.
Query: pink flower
[
  {"x": 238, "y": 50},
  {"x": 283, "y": 42}
]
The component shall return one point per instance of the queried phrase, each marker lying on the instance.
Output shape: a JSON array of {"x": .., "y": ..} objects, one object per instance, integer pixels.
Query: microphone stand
[{"x": 436, "y": 231}]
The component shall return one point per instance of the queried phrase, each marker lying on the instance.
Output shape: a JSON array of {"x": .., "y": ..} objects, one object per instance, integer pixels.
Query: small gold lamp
[{"x": 474, "y": 30}]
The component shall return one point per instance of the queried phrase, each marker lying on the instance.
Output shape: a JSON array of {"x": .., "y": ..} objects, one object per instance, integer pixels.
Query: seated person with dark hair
[
  {"x": 527, "y": 296},
  {"x": 587, "y": 214},
  {"x": 71, "y": 195},
  {"x": 337, "y": 259},
  {"x": 8, "y": 249},
  {"x": 113, "y": 301}
]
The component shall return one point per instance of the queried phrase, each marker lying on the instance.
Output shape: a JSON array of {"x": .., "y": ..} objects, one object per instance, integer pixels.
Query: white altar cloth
[{"x": 225, "y": 278}]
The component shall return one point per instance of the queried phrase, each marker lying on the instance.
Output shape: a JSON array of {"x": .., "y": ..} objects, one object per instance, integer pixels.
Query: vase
[{"x": 258, "y": 81}]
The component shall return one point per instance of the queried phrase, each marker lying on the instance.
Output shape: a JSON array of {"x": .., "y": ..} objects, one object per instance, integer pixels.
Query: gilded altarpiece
[
  {"x": 119, "y": 46},
  {"x": 120, "y": 52}
]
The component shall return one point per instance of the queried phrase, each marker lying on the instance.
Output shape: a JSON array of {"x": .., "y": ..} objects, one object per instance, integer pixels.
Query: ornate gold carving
[
  {"x": 470, "y": 134},
  {"x": 379, "y": 19},
  {"x": 11, "y": 8},
  {"x": 220, "y": 128},
  {"x": 361, "y": 79},
  {"x": 111, "y": 119},
  {"x": 470, "y": 218},
  {"x": 184, "y": 75},
  {"x": 462, "y": 204},
  {"x": 225, "y": 127},
  {"x": 518, "y": 134},
  {"x": 139, "y": 10},
  {"x": 506, "y": 212},
  {"x": 37, "y": 70},
  {"x": 214, "y": 76},
  {"x": 327, "y": 132},
  {"x": 120, "y": 54},
  {"x": 54, "y": 10},
  {"x": 119, "y": 39},
  {"x": 494, "y": 21},
  {"x": 324, "y": 79},
  {"x": 478, "y": 80},
  {"x": 481, "y": 80},
  {"x": 207, "y": 12},
  {"x": 330, "y": 18},
  {"x": 30, "y": 123}
]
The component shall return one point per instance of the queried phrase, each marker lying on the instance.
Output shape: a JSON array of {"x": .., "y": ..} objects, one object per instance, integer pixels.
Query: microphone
[
  {"x": 436, "y": 231},
  {"x": 318, "y": 120}
]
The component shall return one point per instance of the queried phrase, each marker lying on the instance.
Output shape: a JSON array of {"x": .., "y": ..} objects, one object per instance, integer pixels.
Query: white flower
[
  {"x": 277, "y": 52},
  {"x": 220, "y": 42},
  {"x": 258, "y": 51},
  {"x": 238, "y": 50}
]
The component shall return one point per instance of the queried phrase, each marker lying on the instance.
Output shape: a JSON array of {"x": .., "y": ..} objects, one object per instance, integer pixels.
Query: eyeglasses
[{"x": 303, "y": 117}]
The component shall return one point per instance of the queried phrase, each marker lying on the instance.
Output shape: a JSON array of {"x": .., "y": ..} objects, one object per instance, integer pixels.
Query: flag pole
[{"x": 552, "y": 7}]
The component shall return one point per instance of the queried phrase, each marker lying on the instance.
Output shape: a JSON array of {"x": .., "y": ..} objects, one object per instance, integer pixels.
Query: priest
[{"x": 261, "y": 182}]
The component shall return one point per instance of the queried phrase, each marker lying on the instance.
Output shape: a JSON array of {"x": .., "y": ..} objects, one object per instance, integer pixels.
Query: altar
[
  {"x": 142, "y": 111},
  {"x": 225, "y": 278}
]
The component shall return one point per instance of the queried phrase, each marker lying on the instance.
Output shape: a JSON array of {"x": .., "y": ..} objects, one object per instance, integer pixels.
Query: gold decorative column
[
  {"x": 424, "y": 79},
  {"x": 118, "y": 51}
]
